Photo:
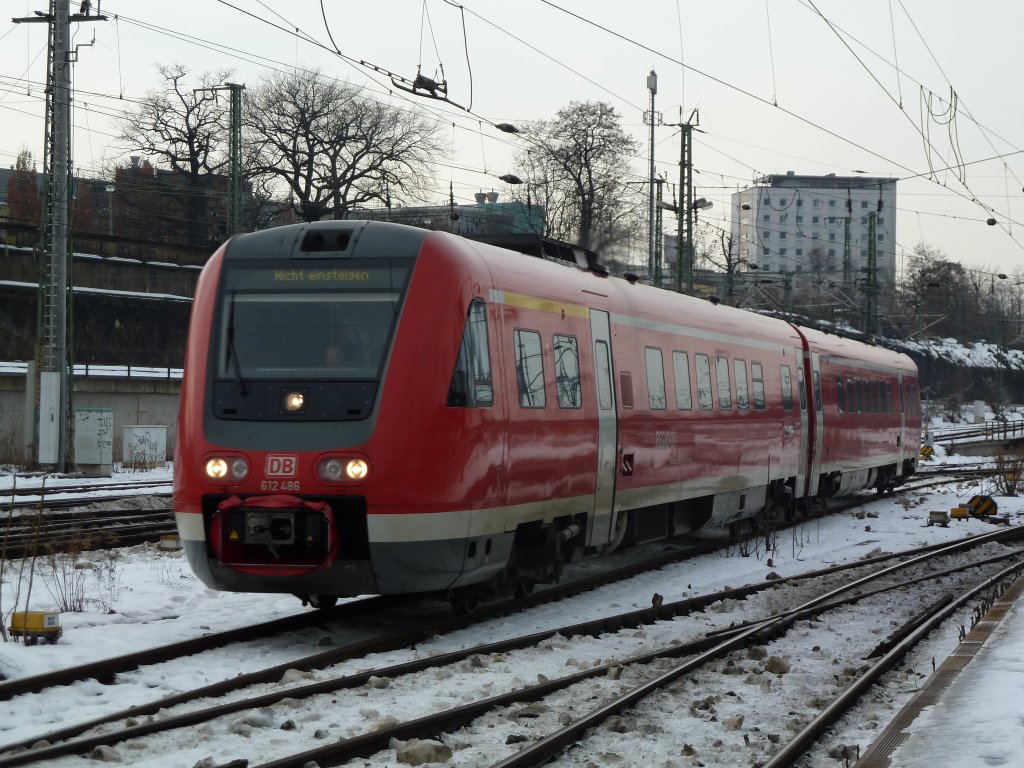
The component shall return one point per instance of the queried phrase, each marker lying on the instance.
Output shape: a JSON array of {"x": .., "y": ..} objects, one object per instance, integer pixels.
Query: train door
[
  {"x": 903, "y": 450},
  {"x": 805, "y": 433},
  {"x": 815, "y": 441},
  {"x": 601, "y": 531}
]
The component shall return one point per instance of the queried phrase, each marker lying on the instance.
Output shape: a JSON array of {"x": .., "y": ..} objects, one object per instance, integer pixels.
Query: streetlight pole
[{"x": 652, "y": 86}]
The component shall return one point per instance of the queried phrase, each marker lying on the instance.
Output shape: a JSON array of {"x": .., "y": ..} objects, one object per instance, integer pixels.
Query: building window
[
  {"x": 783, "y": 218},
  {"x": 782, "y": 251},
  {"x": 766, "y": 234},
  {"x": 799, "y": 219},
  {"x": 880, "y": 238},
  {"x": 799, "y": 251},
  {"x": 765, "y": 251},
  {"x": 814, "y": 235},
  {"x": 766, "y": 218},
  {"x": 782, "y": 235},
  {"x": 831, "y": 235},
  {"x": 799, "y": 202},
  {"x": 817, "y": 203},
  {"x": 881, "y": 221},
  {"x": 863, "y": 253},
  {"x": 832, "y": 252},
  {"x": 863, "y": 203},
  {"x": 831, "y": 203},
  {"x": 831, "y": 219},
  {"x": 814, "y": 219},
  {"x": 799, "y": 235}
]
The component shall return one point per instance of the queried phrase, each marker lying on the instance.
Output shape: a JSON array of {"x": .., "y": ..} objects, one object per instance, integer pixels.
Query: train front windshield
[{"x": 308, "y": 324}]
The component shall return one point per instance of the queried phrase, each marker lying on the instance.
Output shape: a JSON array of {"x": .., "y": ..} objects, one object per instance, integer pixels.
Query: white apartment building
[{"x": 813, "y": 224}]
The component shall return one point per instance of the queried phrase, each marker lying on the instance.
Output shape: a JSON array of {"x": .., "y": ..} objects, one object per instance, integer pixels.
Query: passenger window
[
  {"x": 817, "y": 392},
  {"x": 655, "y": 379},
  {"x": 567, "y": 372},
  {"x": 724, "y": 384},
  {"x": 703, "y": 363},
  {"x": 840, "y": 393},
  {"x": 626, "y": 388},
  {"x": 888, "y": 396},
  {"x": 757, "y": 376},
  {"x": 604, "y": 375},
  {"x": 787, "y": 387},
  {"x": 742, "y": 399},
  {"x": 471, "y": 385},
  {"x": 681, "y": 371},
  {"x": 800, "y": 387},
  {"x": 529, "y": 368},
  {"x": 851, "y": 396}
]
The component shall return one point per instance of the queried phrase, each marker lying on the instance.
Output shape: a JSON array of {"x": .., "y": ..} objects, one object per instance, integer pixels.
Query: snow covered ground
[{"x": 142, "y": 597}]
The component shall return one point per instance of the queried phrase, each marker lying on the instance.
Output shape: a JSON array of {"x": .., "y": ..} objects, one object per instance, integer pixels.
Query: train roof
[{"x": 833, "y": 345}]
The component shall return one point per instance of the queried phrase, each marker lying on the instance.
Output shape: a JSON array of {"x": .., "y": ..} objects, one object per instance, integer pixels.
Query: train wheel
[
  {"x": 323, "y": 602},
  {"x": 465, "y": 600},
  {"x": 523, "y": 587}
]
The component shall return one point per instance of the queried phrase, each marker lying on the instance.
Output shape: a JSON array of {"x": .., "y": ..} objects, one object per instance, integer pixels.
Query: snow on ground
[{"x": 142, "y": 597}]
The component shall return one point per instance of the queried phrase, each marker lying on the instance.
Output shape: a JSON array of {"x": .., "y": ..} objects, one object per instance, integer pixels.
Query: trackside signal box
[{"x": 34, "y": 626}]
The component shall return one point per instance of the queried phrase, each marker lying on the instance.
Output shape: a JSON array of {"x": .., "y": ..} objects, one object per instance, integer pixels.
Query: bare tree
[
  {"x": 24, "y": 203},
  {"x": 183, "y": 127},
  {"x": 577, "y": 165},
  {"x": 332, "y": 148}
]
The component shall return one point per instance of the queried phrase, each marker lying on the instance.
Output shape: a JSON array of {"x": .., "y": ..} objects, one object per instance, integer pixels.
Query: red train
[{"x": 374, "y": 408}]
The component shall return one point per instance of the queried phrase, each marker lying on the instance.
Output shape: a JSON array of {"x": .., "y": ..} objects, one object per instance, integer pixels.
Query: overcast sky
[{"x": 859, "y": 87}]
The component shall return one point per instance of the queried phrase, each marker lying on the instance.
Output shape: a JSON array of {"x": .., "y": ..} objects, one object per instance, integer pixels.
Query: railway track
[
  {"x": 23, "y": 498},
  {"x": 142, "y": 722}
]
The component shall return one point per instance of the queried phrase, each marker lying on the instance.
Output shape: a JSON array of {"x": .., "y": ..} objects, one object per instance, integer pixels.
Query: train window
[
  {"x": 626, "y": 388},
  {"x": 703, "y": 363},
  {"x": 471, "y": 384},
  {"x": 865, "y": 396},
  {"x": 888, "y": 397},
  {"x": 840, "y": 393},
  {"x": 800, "y": 387},
  {"x": 529, "y": 368},
  {"x": 851, "y": 395},
  {"x": 903, "y": 397},
  {"x": 817, "y": 391},
  {"x": 567, "y": 372},
  {"x": 787, "y": 387},
  {"x": 876, "y": 396},
  {"x": 757, "y": 379},
  {"x": 724, "y": 384},
  {"x": 604, "y": 375},
  {"x": 656, "y": 396},
  {"x": 740, "y": 369},
  {"x": 681, "y": 371}
]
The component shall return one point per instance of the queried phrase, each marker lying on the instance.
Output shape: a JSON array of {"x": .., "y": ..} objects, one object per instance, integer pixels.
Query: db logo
[{"x": 281, "y": 466}]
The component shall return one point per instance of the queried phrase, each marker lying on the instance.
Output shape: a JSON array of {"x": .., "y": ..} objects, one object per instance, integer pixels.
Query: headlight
[
  {"x": 357, "y": 469},
  {"x": 229, "y": 469},
  {"x": 295, "y": 401},
  {"x": 341, "y": 469}
]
